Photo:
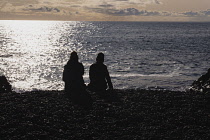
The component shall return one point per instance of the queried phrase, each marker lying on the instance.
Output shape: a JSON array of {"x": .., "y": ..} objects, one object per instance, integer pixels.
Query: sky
[{"x": 106, "y": 10}]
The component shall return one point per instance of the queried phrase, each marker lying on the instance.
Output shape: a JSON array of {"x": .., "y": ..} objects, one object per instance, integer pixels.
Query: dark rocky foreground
[{"x": 126, "y": 114}]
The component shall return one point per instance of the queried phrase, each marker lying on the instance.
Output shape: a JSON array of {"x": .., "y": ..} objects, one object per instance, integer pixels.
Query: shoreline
[
  {"x": 123, "y": 114},
  {"x": 186, "y": 89}
]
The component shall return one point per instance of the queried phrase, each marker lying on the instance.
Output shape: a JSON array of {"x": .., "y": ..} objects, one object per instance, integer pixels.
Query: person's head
[
  {"x": 100, "y": 58},
  {"x": 74, "y": 57}
]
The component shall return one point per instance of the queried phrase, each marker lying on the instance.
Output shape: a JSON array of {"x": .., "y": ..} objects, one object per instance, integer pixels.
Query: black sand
[{"x": 129, "y": 114}]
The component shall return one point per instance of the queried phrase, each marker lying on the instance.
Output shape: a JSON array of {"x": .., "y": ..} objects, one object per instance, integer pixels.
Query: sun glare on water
[
  {"x": 33, "y": 36},
  {"x": 35, "y": 50}
]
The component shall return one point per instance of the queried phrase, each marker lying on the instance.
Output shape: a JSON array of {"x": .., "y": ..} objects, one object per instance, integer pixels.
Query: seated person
[
  {"x": 73, "y": 75},
  {"x": 99, "y": 75}
]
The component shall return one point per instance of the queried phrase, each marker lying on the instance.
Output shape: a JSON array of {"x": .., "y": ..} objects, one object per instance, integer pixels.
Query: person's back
[
  {"x": 99, "y": 75},
  {"x": 73, "y": 74},
  {"x": 74, "y": 84}
]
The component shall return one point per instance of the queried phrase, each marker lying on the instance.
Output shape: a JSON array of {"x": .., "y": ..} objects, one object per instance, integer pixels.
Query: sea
[{"x": 139, "y": 55}]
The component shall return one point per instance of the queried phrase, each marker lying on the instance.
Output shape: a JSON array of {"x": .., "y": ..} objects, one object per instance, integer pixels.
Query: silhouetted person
[
  {"x": 99, "y": 75},
  {"x": 74, "y": 83},
  {"x": 4, "y": 85},
  {"x": 73, "y": 75},
  {"x": 202, "y": 82}
]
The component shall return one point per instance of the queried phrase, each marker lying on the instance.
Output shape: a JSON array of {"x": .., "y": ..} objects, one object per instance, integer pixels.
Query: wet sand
[{"x": 124, "y": 114}]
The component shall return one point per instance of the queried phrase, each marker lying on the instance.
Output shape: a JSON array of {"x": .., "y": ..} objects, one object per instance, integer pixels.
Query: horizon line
[{"x": 103, "y": 20}]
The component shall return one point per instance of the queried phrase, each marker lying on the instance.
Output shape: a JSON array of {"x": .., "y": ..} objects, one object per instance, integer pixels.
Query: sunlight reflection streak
[{"x": 38, "y": 54}]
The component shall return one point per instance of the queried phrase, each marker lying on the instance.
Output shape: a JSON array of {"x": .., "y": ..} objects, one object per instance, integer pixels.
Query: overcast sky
[{"x": 106, "y": 10}]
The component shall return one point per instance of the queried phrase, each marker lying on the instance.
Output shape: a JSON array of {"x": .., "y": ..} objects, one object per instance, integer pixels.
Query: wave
[
  {"x": 140, "y": 75},
  {"x": 6, "y": 55}
]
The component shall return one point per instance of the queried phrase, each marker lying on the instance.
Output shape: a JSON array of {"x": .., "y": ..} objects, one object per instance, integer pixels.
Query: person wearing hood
[{"x": 73, "y": 74}]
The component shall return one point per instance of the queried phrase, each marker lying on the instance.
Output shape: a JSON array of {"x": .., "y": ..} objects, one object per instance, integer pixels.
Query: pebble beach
[{"x": 122, "y": 114}]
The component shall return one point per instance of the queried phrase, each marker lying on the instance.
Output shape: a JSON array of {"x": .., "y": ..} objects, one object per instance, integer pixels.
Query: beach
[{"x": 122, "y": 114}]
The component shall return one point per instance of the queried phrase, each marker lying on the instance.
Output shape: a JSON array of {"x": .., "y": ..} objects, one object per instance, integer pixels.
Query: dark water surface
[{"x": 138, "y": 54}]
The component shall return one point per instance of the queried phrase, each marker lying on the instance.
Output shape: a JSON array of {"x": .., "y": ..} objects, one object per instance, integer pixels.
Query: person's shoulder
[
  {"x": 68, "y": 65},
  {"x": 104, "y": 66},
  {"x": 93, "y": 65},
  {"x": 80, "y": 63}
]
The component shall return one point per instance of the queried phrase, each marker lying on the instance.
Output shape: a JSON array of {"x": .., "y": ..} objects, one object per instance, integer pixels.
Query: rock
[
  {"x": 202, "y": 84},
  {"x": 5, "y": 86}
]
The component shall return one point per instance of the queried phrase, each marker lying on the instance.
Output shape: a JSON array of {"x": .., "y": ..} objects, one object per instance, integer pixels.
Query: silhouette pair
[{"x": 98, "y": 74}]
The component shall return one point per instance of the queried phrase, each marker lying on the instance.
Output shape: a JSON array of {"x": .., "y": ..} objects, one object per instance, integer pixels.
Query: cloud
[
  {"x": 106, "y": 5},
  {"x": 207, "y": 12},
  {"x": 191, "y": 13},
  {"x": 18, "y": 2},
  {"x": 130, "y": 12},
  {"x": 110, "y": 10},
  {"x": 96, "y": 9},
  {"x": 23, "y": 7},
  {"x": 118, "y": 3},
  {"x": 42, "y": 9},
  {"x": 143, "y": 2},
  {"x": 133, "y": 11},
  {"x": 197, "y": 14},
  {"x": 121, "y": 0},
  {"x": 47, "y": 5},
  {"x": 157, "y": 2}
]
